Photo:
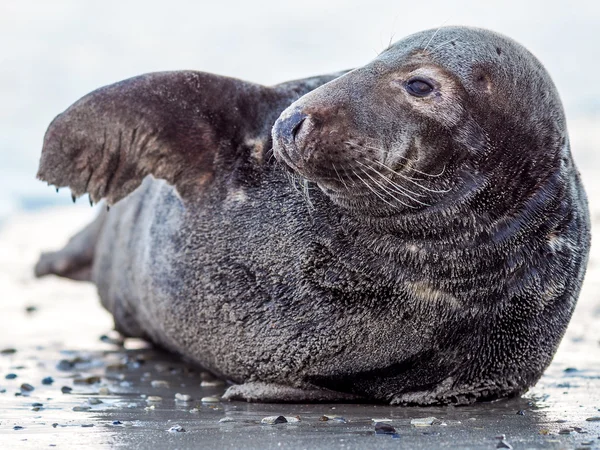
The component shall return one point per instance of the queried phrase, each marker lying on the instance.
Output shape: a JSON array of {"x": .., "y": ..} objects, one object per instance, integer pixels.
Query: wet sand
[{"x": 52, "y": 328}]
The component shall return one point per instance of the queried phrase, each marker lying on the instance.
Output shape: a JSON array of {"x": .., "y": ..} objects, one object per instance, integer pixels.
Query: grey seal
[{"x": 413, "y": 231}]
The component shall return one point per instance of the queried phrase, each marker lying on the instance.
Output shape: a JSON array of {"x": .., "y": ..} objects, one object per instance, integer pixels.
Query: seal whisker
[
  {"x": 339, "y": 177},
  {"x": 371, "y": 188},
  {"x": 434, "y": 34},
  {"x": 414, "y": 181},
  {"x": 437, "y": 47},
  {"x": 396, "y": 187},
  {"x": 386, "y": 190}
]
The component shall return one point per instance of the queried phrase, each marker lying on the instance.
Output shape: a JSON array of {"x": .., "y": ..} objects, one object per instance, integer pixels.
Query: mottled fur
[{"x": 460, "y": 296}]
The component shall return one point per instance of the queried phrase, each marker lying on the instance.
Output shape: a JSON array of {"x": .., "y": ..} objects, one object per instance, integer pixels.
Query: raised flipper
[
  {"x": 257, "y": 391},
  {"x": 178, "y": 126},
  {"x": 75, "y": 259}
]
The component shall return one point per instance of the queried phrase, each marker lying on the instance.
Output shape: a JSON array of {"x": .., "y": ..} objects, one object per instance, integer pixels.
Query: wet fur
[{"x": 227, "y": 264}]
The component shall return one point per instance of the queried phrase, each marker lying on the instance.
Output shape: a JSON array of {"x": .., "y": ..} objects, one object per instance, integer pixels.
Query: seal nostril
[{"x": 297, "y": 127}]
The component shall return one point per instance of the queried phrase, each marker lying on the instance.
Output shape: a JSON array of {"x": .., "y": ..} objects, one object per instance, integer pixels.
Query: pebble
[
  {"x": 226, "y": 420},
  {"x": 159, "y": 383},
  {"x": 425, "y": 422},
  {"x": 8, "y": 351},
  {"x": 153, "y": 398},
  {"x": 27, "y": 387},
  {"x": 521, "y": 412},
  {"x": 150, "y": 408},
  {"x": 31, "y": 309},
  {"x": 47, "y": 380},
  {"x": 503, "y": 444},
  {"x": 210, "y": 400},
  {"x": 66, "y": 389},
  {"x": 565, "y": 431},
  {"x": 117, "y": 422},
  {"x": 176, "y": 429},
  {"x": 87, "y": 380},
  {"x": 593, "y": 419},
  {"x": 87, "y": 425},
  {"x": 36, "y": 404},
  {"x": 382, "y": 420},
  {"x": 81, "y": 408},
  {"x": 384, "y": 428},
  {"x": 339, "y": 419},
  {"x": 273, "y": 420},
  {"x": 94, "y": 401},
  {"x": 17, "y": 427},
  {"x": 11, "y": 376},
  {"x": 112, "y": 340},
  {"x": 183, "y": 397},
  {"x": 212, "y": 383},
  {"x": 103, "y": 391}
]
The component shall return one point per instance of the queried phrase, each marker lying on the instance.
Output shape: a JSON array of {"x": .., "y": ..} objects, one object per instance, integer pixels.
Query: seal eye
[{"x": 419, "y": 87}]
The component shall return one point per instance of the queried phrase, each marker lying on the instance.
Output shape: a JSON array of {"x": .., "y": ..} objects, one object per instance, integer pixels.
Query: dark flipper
[
  {"x": 172, "y": 125},
  {"x": 75, "y": 259},
  {"x": 276, "y": 393}
]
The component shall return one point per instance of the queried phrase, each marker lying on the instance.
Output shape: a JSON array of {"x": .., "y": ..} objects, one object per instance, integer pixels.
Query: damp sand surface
[{"x": 64, "y": 385}]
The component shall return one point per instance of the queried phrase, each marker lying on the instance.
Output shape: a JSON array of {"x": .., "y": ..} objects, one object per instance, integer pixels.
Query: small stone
[
  {"x": 11, "y": 376},
  {"x": 210, "y": 400},
  {"x": 593, "y": 419},
  {"x": 54, "y": 425},
  {"x": 81, "y": 408},
  {"x": 26, "y": 387},
  {"x": 117, "y": 422},
  {"x": 87, "y": 425},
  {"x": 17, "y": 427},
  {"x": 153, "y": 398},
  {"x": 544, "y": 431},
  {"x": 500, "y": 436},
  {"x": 150, "y": 408},
  {"x": 37, "y": 404},
  {"x": 273, "y": 420},
  {"x": 384, "y": 428},
  {"x": 30, "y": 309},
  {"x": 114, "y": 340},
  {"x": 521, "y": 412},
  {"x": 66, "y": 389},
  {"x": 8, "y": 351},
  {"x": 183, "y": 397},
  {"x": 212, "y": 383},
  {"x": 565, "y": 431},
  {"x": 226, "y": 420},
  {"x": 503, "y": 444},
  {"x": 383, "y": 419},
  {"x": 87, "y": 380},
  {"x": 176, "y": 429},
  {"x": 159, "y": 384},
  {"x": 94, "y": 401},
  {"x": 47, "y": 380},
  {"x": 570, "y": 370},
  {"x": 425, "y": 422},
  {"x": 103, "y": 391},
  {"x": 561, "y": 421}
]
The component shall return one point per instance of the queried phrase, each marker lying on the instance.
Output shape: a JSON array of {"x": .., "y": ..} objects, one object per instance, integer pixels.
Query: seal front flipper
[
  {"x": 178, "y": 126},
  {"x": 257, "y": 391},
  {"x": 75, "y": 259}
]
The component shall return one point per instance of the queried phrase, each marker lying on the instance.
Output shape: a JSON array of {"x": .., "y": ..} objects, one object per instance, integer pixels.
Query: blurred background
[{"x": 52, "y": 53}]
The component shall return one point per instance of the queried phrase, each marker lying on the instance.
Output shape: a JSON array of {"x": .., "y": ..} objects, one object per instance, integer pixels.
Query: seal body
[{"x": 419, "y": 237}]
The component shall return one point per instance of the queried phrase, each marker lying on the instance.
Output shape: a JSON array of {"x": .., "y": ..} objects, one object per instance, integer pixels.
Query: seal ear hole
[{"x": 483, "y": 80}]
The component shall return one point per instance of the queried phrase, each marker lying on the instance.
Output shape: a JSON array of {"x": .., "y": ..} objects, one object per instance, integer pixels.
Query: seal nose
[{"x": 288, "y": 128}]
